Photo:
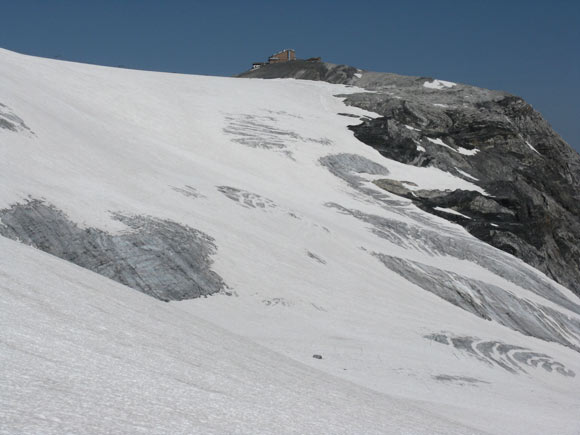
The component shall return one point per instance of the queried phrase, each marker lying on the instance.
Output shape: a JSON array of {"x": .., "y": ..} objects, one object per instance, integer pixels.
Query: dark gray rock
[
  {"x": 394, "y": 186},
  {"x": 479, "y": 211},
  {"x": 534, "y": 205},
  {"x": 161, "y": 258},
  {"x": 531, "y": 175}
]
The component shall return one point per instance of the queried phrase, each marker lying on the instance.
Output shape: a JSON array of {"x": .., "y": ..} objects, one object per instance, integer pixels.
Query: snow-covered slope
[
  {"x": 82, "y": 354},
  {"x": 256, "y": 192}
]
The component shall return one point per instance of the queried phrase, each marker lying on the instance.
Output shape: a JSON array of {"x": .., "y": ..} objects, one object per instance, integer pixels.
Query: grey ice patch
[
  {"x": 348, "y": 167},
  {"x": 246, "y": 199},
  {"x": 400, "y": 233},
  {"x": 9, "y": 120},
  {"x": 161, "y": 258},
  {"x": 460, "y": 380},
  {"x": 449, "y": 243},
  {"x": 488, "y": 301},
  {"x": 261, "y": 132},
  {"x": 315, "y": 257},
  {"x": 482, "y": 299},
  {"x": 496, "y": 353},
  {"x": 189, "y": 191}
]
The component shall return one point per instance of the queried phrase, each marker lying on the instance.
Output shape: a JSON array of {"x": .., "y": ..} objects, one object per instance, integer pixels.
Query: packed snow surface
[
  {"x": 439, "y": 84},
  {"x": 421, "y": 328}
]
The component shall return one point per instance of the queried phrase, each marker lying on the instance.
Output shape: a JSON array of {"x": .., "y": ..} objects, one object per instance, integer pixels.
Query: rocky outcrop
[
  {"x": 305, "y": 70},
  {"x": 531, "y": 177}
]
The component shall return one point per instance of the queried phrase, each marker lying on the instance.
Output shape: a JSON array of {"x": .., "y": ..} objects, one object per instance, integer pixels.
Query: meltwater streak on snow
[{"x": 271, "y": 173}]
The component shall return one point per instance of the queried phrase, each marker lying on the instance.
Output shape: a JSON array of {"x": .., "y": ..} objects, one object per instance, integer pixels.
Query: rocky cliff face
[{"x": 531, "y": 176}]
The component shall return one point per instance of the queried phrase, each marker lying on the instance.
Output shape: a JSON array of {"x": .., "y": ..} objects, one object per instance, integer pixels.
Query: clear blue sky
[{"x": 529, "y": 48}]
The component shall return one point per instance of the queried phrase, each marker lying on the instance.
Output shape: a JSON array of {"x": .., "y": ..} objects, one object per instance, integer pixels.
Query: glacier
[{"x": 176, "y": 248}]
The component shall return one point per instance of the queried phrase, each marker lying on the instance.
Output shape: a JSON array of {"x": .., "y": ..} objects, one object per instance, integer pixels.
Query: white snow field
[
  {"x": 316, "y": 259},
  {"x": 82, "y": 354}
]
